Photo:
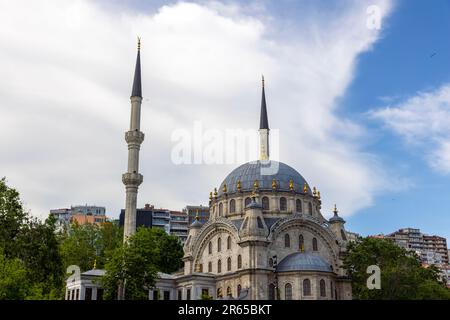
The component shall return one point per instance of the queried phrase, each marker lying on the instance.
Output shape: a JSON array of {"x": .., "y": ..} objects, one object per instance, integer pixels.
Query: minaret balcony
[
  {"x": 134, "y": 137},
  {"x": 132, "y": 179}
]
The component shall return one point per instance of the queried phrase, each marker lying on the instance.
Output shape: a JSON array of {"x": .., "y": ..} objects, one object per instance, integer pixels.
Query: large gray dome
[
  {"x": 300, "y": 261},
  {"x": 264, "y": 172}
]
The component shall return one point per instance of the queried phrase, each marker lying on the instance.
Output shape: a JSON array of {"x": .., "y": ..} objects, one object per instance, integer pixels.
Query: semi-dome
[
  {"x": 265, "y": 172},
  {"x": 301, "y": 261}
]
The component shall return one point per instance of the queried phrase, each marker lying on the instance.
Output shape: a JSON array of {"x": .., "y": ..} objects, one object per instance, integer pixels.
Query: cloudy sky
[{"x": 363, "y": 113}]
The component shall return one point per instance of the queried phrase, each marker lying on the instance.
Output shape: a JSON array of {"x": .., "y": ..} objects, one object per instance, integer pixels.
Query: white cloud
[
  {"x": 424, "y": 122},
  {"x": 66, "y": 78}
]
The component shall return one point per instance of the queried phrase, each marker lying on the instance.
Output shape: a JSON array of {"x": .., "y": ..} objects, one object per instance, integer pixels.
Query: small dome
[
  {"x": 264, "y": 172},
  {"x": 300, "y": 261},
  {"x": 196, "y": 224}
]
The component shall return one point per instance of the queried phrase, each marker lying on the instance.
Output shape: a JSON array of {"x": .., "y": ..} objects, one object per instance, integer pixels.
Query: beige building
[{"x": 266, "y": 238}]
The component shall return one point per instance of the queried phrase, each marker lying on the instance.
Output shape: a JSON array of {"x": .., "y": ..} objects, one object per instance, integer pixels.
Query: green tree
[
  {"x": 402, "y": 275},
  {"x": 13, "y": 279},
  {"x": 135, "y": 264},
  {"x": 12, "y": 219}
]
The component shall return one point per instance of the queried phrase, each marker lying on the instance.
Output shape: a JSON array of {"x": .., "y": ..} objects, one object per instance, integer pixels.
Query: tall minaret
[
  {"x": 132, "y": 179},
  {"x": 263, "y": 128}
]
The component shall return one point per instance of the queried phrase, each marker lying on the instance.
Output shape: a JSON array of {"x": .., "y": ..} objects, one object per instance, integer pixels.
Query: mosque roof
[{"x": 303, "y": 261}]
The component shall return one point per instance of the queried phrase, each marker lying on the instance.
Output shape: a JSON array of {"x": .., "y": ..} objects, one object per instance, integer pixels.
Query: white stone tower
[
  {"x": 134, "y": 137},
  {"x": 263, "y": 128}
]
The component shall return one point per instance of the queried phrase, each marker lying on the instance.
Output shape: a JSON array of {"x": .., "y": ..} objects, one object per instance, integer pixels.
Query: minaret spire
[
  {"x": 134, "y": 137},
  {"x": 263, "y": 127}
]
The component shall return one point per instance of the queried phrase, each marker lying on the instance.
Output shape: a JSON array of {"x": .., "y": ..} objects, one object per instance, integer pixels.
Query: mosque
[{"x": 266, "y": 238}]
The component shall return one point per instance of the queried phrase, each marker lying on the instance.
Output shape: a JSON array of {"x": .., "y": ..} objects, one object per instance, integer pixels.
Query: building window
[
  {"x": 310, "y": 208},
  {"x": 229, "y": 264},
  {"x": 166, "y": 295},
  {"x": 260, "y": 223},
  {"x": 270, "y": 262},
  {"x": 210, "y": 266},
  {"x": 228, "y": 243},
  {"x": 344, "y": 237},
  {"x": 306, "y": 287},
  {"x": 283, "y": 204},
  {"x": 232, "y": 206},
  {"x": 220, "y": 209},
  {"x": 219, "y": 245},
  {"x": 287, "y": 241},
  {"x": 219, "y": 266},
  {"x": 298, "y": 205},
  {"x": 77, "y": 294},
  {"x": 188, "y": 294},
  {"x": 301, "y": 243},
  {"x": 88, "y": 294},
  {"x": 247, "y": 201},
  {"x": 271, "y": 291},
  {"x": 288, "y": 291},
  {"x": 265, "y": 203},
  {"x": 331, "y": 289},
  {"x": 219, "y": 293},
  {"x": 315, "y": 247},
  {"x": 99, "y": 294},
  {"x": 229, "y": 292},
  {"x": 239, "y": 261},
  {"x": 210, "y": 247},
  {"x": 155, "y": 294},
  {"x": 322, "y": 288},
  {"x": 239, "y": 290},
  {"x": 180, "y": 295}
]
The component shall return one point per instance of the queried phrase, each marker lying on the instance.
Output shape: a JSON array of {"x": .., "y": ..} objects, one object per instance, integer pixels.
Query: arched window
[
  {"x": 344, "y": 237},
  {"x": 260, "y": 223},
  {"x": 322, "y": 288},
  {"x": 247, "y": 201},
  {"x": 219, "y": 293},
  {"x": 229, "y": 264},
  {"x": 239, "y": 290},
  {"x": 210, "y": 266},
  {"x": 210, "y": 247},
  {"x": 270, "y": 262},
  {"x": 301, "y": 243},
  {"x": 331, "y": 289},
  {"x": 283, "y": 204},
  {"x": 315, "y": 248},
  {"x": 298, "y": 205},
  {"x": 287, "y": 241},
  {"x": 220, "y": 209},
  {"x": 288, "y": 291},
  {"x": 271, "y": 291},
  {"x": 219, "y": 266},
  {"x": 239, "y": 264},
  {"x": 228, "y": 243},
  {"x": 306, "y": 287},
  {"x": 265, "y": 203},
  {"x": 310, "y": 208},
  {"x": 219, "y": 245},
  {"x": 229, "y": 292},
  {"x": 232, "y": 206}
]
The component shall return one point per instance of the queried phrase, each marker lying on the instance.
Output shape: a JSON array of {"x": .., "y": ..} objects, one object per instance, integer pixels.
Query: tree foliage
[
  {"x": 402, "y": 275},
  {"x": 135, "y": 264}
]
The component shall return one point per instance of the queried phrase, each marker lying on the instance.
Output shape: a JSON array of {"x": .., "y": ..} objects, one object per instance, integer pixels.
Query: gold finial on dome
[
  {"x": 335, "y": 210},
  {"x": 139, "y": 43},
  {"x": 224, "y": 188},
  {"x": 238, "y": 185},
  {"x": 196, "y": 215},
  {"x": 255, "y": 185},
  {"x": 318, "y": 195},
  {"x": 291, "y": 185},
  {"x": 210, "y": 196},
  {"x": 314, "y": 192},
  {"x": 215, "y": 193},
  {"x": 262, "y": 78},
  {"x": 305, "y": 188},
  {"x": 274, "y": 184},
  {"x": 95, "y": 263}
]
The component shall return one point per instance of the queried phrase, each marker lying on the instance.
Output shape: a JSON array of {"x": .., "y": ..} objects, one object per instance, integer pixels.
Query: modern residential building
[
  {"x": 430, "y": 249},
  {"x": 192, "y": 211},
  {"x": 87, "y": 209},
  {"x": 179, "y": 225},
  {"x": 88, "y": 218},
  {"x": 62, "y": 217},
  {"x": 149, "y": 217},
  {"x": 81, "y": 214}
]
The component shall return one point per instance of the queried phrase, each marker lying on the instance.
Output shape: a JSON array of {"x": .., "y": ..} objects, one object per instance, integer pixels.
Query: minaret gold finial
[
  {"x": 274, "y": 184},
  {"x": 196, "y": 215},
  {"x": 224, "y": 188},
  {"x": 305, "y": 188},
  {"x": 262, "y": 78},
  {"x": 215, "y": 193},
  {"x": 139, "y": 43},
  {"x": 210, "y": 196},
  {"x": 239, "y": 186},
  {"x": 318, "y": 195},
  {"x": 314, "y": 192}
]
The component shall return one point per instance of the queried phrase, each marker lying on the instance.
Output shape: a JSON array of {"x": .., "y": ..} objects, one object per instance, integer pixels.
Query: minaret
[
  {"x": 263, "y": 128},
  {"x": 132, "y": 178}
]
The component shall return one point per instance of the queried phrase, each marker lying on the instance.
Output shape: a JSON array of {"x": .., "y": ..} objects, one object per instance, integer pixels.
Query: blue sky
[{"x": 363, "y": 114}]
